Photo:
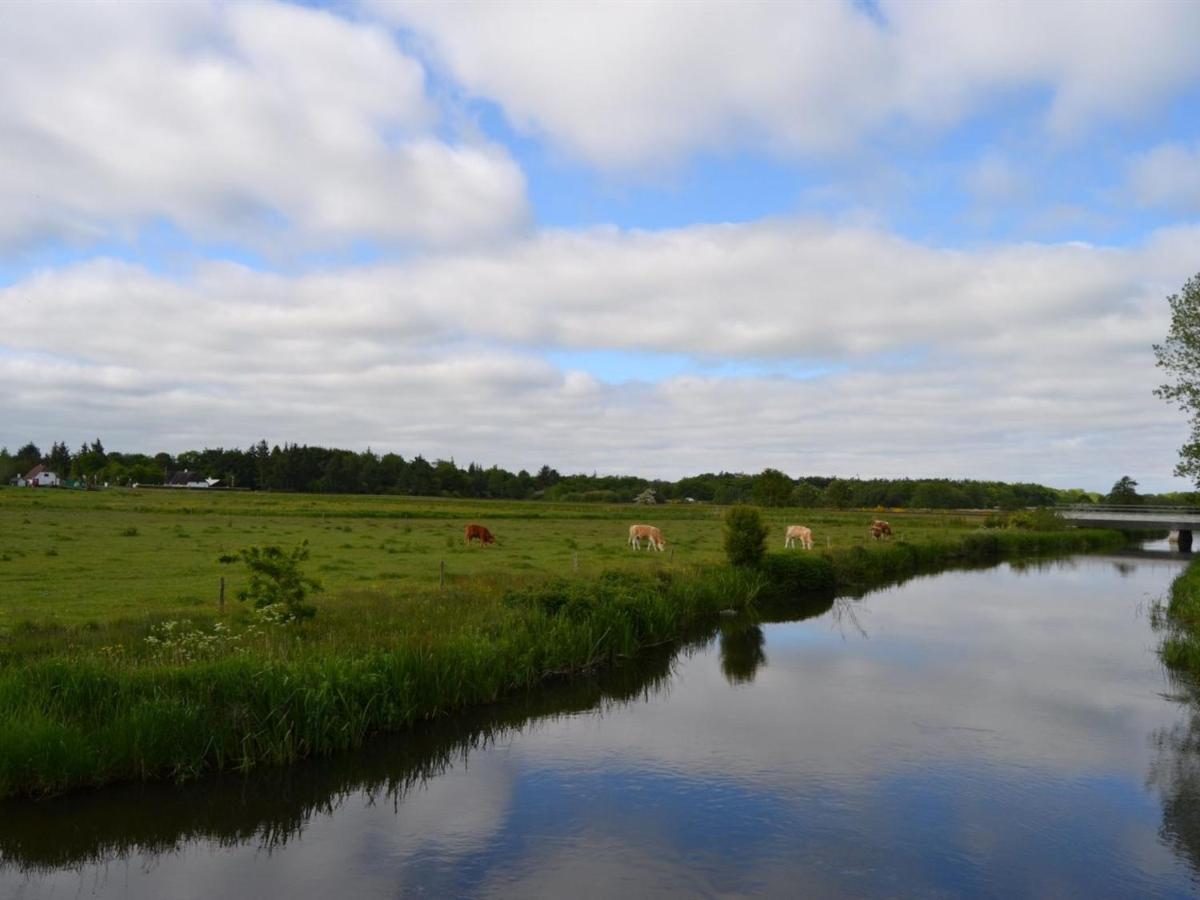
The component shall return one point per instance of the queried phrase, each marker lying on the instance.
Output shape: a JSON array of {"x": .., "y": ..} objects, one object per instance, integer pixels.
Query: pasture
[
  {"x": 116, "y": 662},
  {"x": 74, "y": 558}
]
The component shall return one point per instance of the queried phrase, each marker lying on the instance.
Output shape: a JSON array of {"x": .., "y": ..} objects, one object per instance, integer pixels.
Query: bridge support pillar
[{"x": 1185, "y": 540}]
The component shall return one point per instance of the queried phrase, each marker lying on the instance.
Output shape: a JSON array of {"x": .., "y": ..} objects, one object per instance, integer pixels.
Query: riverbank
[
  {"x": 1180, "y": 649},
  {"x": 127, "y": 701}
]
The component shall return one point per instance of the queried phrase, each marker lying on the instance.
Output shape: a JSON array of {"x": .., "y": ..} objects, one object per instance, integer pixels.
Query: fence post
[
  {"x": 442, "y": 575},
  {"x": 575, "y": 560},
  {"x": 222, "y": 595}
]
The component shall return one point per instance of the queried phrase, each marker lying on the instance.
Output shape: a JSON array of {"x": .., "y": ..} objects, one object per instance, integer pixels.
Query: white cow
[{"x": 798, "y": 532}]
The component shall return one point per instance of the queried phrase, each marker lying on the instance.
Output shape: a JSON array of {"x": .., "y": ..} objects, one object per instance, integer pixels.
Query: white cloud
[
  {"x": 1019, "y": 362},
  {"x": 257, "y": 122},
  {"x": 641, "y": 85},
  {"x": 1168, "y": 176}
]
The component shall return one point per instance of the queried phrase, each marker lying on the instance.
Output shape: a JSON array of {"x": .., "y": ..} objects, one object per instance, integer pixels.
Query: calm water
[{"x": 1006, "y": 732}]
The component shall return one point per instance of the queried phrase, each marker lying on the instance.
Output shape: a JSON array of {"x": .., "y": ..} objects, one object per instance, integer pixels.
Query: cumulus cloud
[
  {"x": 1018, "y": 362},
  {"x": 641, "y": 85},
  {"x": 253, "y": 122}
]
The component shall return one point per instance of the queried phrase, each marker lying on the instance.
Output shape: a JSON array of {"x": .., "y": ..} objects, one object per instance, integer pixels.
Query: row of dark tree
[{"x": 297, "y": 467}]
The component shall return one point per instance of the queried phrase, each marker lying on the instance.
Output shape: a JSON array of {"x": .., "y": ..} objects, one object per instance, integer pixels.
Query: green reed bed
[
  {"x": 1180, "y": 620},
  {"x": 193, "y": 698},
  {"x": 148, "y": 699}
]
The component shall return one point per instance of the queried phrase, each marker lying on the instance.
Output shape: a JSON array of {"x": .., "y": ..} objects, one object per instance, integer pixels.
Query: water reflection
[
  {"x": 977, "y": 733},
  {"x": 742, "y": 651},
  {"x": 1175, "y": 774},
  {"x": 273, "y": 806}
]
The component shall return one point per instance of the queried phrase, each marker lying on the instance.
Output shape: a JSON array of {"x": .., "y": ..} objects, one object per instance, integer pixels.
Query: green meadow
[
  {"x": 73, "y": 557},
  {"x": 117, "y": 661}
]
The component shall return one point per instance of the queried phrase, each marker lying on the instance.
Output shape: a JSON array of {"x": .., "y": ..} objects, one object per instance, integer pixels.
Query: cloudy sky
[{"x": 872, "y": 238}]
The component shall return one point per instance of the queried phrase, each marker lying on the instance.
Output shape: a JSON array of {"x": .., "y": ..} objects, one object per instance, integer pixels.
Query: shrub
[
  {"x": 1037, "y": 520},
  {"x": 745, "y": 536},
  {"x": 275, "y": 578},
  {"x": 794, "y": 574}
]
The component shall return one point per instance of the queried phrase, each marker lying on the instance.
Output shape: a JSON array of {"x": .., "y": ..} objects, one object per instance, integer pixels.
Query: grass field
[
  {"x": 74, "y": 557},
  {"x": 116, "y": 662}
]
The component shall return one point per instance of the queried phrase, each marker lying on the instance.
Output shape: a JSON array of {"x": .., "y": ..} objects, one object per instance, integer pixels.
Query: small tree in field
[
  {"x": 275, "y": 578},
  {"x": 745, "y": 536}
]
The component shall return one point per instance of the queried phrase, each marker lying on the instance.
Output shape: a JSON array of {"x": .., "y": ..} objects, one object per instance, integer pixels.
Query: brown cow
[
  {"x": 652, "y": 535},
  {"x": 798, "y": 533},
  {"x": 478, "y": 531},
  {"x": 880, "y": 528}
]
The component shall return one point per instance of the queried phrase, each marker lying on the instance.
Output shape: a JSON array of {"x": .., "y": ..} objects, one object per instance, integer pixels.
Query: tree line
[{"x": 307, "y": 469}]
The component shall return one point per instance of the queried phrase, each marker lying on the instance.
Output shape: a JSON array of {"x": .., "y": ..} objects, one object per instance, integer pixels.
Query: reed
[
  {"x": 146, "y": 699},
  {"x": 1180, "y": 620}
]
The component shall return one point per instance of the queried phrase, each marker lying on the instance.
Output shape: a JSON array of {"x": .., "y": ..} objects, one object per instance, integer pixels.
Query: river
[{"x": 1000, "y": 732}]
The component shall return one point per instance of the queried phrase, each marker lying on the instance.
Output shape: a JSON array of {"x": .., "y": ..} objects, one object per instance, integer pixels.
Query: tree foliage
[
  {"x": 330, "y": 470},
  {"x": 772, "y": 488},
  {"x": 1124, "y": 491},
  {"x": 745, "y": 536},
  {"x": 1179, "y": 356},
  {"x": 276, "y": 579}
]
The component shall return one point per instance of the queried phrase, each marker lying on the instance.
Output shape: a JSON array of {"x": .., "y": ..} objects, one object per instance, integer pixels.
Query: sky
[{"x": 874, "y": 239}]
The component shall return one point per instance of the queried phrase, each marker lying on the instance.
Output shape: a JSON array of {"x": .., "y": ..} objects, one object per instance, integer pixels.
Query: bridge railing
[{"x": 1127, "y": 508}]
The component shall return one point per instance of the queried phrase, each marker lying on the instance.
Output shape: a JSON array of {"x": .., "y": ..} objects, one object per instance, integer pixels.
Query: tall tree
[
  {"x": 27, "y": 457},
  {"x": 1124, "y": 491},
  {"x": 772, "y": 488},
  {"x": 1179, "y": 355},
  {"x": 60, "y": 458}
]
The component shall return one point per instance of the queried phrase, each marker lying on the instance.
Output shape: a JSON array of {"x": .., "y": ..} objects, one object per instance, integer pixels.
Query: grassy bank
[
  {"x": 76, "y": 559},
  {"x": 117, "y": 697},
  {"x": 1181, "y": 619}
]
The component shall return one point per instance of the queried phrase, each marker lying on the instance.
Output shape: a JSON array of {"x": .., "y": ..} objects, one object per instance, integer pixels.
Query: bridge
[{"x": 1178, "y": 519}]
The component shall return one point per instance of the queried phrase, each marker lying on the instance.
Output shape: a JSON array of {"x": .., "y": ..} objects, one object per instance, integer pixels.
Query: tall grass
[
  {"x": 1180, "y": 649},
  {"x": 176, "y": 702}
]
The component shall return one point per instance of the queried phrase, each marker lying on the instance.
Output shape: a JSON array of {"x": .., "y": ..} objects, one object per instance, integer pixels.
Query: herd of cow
[{"x": 654, "y": 538}]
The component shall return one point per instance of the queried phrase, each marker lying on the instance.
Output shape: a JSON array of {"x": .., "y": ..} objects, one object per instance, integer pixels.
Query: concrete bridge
[{"x": 1178, "y": 519}]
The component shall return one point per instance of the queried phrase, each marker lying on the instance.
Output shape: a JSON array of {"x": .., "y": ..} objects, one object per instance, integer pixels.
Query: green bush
[
  {"x": 1037, "y": 520},
  {"x": 275, "y": 578},
  {"x": 792, "y": 574},
  {"x": 745, "y": 536}
]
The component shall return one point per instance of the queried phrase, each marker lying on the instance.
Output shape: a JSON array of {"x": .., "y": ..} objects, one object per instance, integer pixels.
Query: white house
[{"x": 39, "y": 476}]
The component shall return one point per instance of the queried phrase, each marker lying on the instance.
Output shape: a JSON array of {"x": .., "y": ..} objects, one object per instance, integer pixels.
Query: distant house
[
  {"x": 186, "y": 479},
  {"x": 38, "y": 476}
]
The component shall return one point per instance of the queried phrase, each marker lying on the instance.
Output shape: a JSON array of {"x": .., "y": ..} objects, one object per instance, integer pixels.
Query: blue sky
[{"x": 835, "y": 238}]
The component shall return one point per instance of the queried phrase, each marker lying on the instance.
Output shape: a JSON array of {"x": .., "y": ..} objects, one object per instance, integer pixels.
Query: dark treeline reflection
[{"x": 272, "y": 806}]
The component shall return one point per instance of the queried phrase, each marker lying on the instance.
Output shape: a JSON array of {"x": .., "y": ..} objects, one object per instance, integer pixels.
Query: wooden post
[
  {"x": 442, "y": 575},
  {"x": 222, "y": 596},
  {"x": 575, "y": 560},
  {"x": 671, "y": 556}
]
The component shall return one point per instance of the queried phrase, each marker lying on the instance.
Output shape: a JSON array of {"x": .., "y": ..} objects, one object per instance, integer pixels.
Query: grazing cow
[
  {"x": 652, "y": 535},
  {"x": 880, "y": 528},
  {"x": 798, "y": 533},
  {"x": 478, "y": 531}
]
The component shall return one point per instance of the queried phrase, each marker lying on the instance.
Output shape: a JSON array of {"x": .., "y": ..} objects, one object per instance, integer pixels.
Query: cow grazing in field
[
  {"x": 478, "y": 531},
  {"x": 652, "y": 535},
  {"x": 880, "y": 528},
  {"x": 798, "y": 533}
]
